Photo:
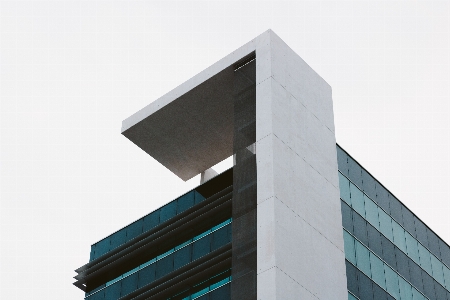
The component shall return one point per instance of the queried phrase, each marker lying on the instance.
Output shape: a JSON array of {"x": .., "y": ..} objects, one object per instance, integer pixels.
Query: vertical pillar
[
  {"x": 243, "y": 284},
  {"x": 300, "y": 251}
]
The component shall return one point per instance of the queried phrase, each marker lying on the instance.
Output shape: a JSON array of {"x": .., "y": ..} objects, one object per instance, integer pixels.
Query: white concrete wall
[{"x": 300, "y": 242}]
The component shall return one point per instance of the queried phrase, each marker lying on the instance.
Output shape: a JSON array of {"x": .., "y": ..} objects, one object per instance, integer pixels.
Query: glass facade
[
  {"x": 183, "y": 250},
  {"x": 389, "y": 252}
]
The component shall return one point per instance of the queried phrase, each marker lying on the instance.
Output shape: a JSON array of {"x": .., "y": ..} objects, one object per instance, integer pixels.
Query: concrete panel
[
  {"x": 190, "y": 129},
  {"x": 295, "y": 133},
  {"x": 301, "y": 247}
]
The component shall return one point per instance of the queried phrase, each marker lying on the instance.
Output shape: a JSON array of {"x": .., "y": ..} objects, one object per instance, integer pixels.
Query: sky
[{"x": 71, "y": 71}]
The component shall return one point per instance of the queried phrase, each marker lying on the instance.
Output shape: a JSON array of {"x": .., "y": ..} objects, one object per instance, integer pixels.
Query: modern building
[{"x": 296, "y": 217}]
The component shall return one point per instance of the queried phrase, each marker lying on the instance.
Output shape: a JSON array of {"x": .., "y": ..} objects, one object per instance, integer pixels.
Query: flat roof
[{"x": 190, "y": 129}]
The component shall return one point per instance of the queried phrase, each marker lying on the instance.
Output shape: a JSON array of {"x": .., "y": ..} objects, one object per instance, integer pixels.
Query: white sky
[{"x": 70, "y": 72}]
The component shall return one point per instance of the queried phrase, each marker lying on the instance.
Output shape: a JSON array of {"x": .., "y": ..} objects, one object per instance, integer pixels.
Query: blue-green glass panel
[
  {"x": 351, "y": 297},
  {"x": 385, "y": 224},
  {"x": 113, "y": 291},
  {"x": 182, "y": 257},
  {"x": 412, "y": 248},
  {"x": 377, "y": 269},
  {"x": 349, "y": 248},
  {"x": 168, "y": 211},
  {"x": 151, "y": 220},
  {"x": 129, "y": 284},
  {"x": 118, "y": 238},
  {"x": 135, "y": 229},
  {"x": 391, "y": 282},
  {"x": 185, "y": 202},
  {"x": 371, "y": 212},
  {"x": 164, "y": 266},
  {"x": 425, "y": 259},
  {"x": 438, "y": 273},
  {"x": 201, "y": 247},
  {"x": 447, "y": 278},
  {"x": 362, "y": 259},
  {"x": 219, "y": 238},
  {"x": 222, "y": 293},
  {"x": 405, "y": 289},
  {"x": 102, "y": 247},
  {"x": 399, "y": 236},
  {"x": 198, "y": 197},
  {"x": 199, "y": 293},
  {"x": 417, "y": 295},
  {"x": 147, "y": 275},
  {"x": 344, "y": 188},
  {"x": 357, "y": 198}
]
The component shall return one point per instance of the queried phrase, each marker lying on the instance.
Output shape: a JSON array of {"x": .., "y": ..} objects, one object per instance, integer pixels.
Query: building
[{"x": 295, "y": 218}]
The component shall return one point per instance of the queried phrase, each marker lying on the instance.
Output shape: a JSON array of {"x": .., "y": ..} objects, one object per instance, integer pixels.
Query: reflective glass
[
  {"x": 371, "y": 212},
  {"x": 425, "y": 260},
  {"x": 417, "y": 295},
  {"x": 349, "y": 247},
  {"x": 412, "y": 248},
  {"x": 447, "y": 278},
  {"x": 391, "y": 282},
  {"x": 344, "y": 187},
  {"x": 377, "y": 269},
  {"x": 385, "y": 224},
  {"x": 362, "y": 259},
  {"x": 399, "y": 236},
  {"x": 436, "y": 266},
  {"x": 357, "y": 199},
  {"x": 351, "y": 297},
  {"x": 405, "y": 289}
]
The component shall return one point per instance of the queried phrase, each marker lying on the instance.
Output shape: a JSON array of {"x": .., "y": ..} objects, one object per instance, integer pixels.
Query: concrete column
[{"x": 300, "y": 251}]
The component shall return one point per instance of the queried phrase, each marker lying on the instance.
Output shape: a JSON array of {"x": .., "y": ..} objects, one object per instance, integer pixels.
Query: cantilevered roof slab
[{"x": 190, "y": 129}]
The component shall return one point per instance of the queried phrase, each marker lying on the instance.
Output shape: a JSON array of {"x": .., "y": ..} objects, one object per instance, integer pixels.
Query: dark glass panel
[
  {"x": 112, "y": 292},
  {"x": 352, "y": 280},
  {"x": 428, "y": 285},
  {"x": 368, "y": 184},
  {"x": 135, "y": 229},
  {"x": 433, "y": 243},
  {"x": 198, "y": 197},
  {"x": 97, "y": 296},
  {"x": 102, "y": 247},
  {"x": 421, "y": 232},
  {"x": 185, "y": 202},
  {"x": 346, "y": 216},
  {"x": 382, "y": 198},
  {"x": 374, "y": 237},
  {"x": 379, "y": 293},
  {"x": 388, "y": 252},
  {"x": 201, "y": 247},
  {"x": 146, "y": 275},
  {"x": 219, "y": 238},
  {"x": 342, "y": 161},
  {"x": 415, "y": 275},
  {"x": 129, "y": 284},
  {"x": 151, "y": 220},
  {"x": 365, "y": 287},
  {"x": 182, "y": 257},
  {"x": 395, "y": 209},
  {"x": 118, "y": 238},
  {"x": 222, "y": 293},
  {"x": 164, "y": 266},
  {"x": 359, "y": 228},
  {"x": 168, "y": 211},
  {"x": 441, "y": 293},
  {"x": 445, "y": 253},
  {"x": 402, "y": 263},
  {"x": 354, "y": 172},
  {"x": 408, "y": 221}
]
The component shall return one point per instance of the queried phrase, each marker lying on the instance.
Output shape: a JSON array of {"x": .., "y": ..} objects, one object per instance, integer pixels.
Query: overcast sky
[{"x": 70, "y": 72}]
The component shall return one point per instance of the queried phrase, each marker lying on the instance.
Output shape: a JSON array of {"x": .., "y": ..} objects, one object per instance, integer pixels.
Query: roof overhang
[{"x": 190, "y": 129}]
